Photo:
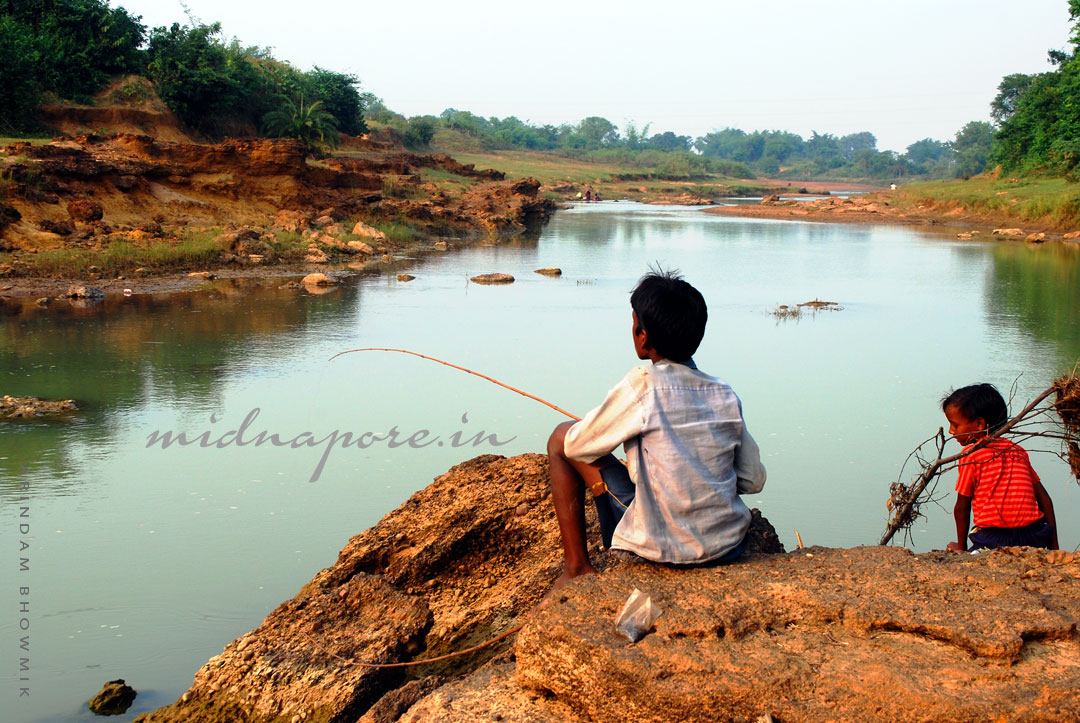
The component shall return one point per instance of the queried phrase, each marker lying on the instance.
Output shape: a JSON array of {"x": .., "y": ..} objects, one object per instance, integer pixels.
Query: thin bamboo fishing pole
[
  {"x": 468, "y": 371},
  {"x": 493, "y": 381},
  {"x": 511, "y": 631}
]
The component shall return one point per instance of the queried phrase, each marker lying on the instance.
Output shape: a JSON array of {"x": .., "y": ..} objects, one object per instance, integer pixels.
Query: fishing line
[
  {"x": 511, "y": 631},
  {"x": 493, "y": 381}
]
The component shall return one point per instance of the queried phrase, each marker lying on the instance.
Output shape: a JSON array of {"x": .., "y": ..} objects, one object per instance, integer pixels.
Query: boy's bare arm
[
  {"x": 962, "y": 515},
  {"x": 1046, "y": 506}
]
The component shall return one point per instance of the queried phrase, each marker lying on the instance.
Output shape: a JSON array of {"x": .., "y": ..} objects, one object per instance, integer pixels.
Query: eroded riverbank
[{"x": 131, "y": 212}]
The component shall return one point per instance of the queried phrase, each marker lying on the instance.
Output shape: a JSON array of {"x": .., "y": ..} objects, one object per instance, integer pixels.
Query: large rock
[
  {"x": 493, "y": 278},
  {"x": 365, "y": 231},
  {"x": 28, "y": 407},
  {"x": 85, "y": 211},
  {"x": 454, "y": 562},
  {"x": 294, "y": 666},
  {"x": 873, "y": 633},
  {"x": 114, "y": 698},
  {"x": 80, "y": 291}
]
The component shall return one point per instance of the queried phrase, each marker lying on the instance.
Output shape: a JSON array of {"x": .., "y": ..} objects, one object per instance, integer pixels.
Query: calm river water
[{"x": 144, "y": 562}]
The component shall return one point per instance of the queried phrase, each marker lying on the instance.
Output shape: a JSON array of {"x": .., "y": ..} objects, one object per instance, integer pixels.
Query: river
[{"x": 143, "y": 562}]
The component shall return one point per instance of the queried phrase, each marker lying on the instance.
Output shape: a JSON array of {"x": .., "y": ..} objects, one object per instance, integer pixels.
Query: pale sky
[{"x": 901, "y": 69}]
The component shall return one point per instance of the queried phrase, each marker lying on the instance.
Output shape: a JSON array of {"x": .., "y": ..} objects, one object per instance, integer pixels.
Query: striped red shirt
[{"x": 1001, "y": 482}]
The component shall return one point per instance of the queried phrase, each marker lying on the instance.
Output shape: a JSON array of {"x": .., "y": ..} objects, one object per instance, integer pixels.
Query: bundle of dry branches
[{"x": 1059, "y": 419}]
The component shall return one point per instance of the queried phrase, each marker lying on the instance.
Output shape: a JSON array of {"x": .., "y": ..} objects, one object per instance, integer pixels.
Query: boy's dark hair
[
  {"x": 979, "y": 401},
  {"x": 672, "y": 312}
]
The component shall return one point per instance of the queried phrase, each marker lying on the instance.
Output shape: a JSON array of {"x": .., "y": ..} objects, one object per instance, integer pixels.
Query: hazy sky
[{"x": 901, "y": 69}]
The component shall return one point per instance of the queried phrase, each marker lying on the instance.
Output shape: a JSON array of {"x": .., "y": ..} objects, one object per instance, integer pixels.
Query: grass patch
[
  {"x": 195, "y": 249},
  {"x": 398, "y": 187},
  {"x": 289, "y": 245},
  {"x": 1034, "y": 199},
  {"x": 36, "y": 141},
  {"x": 614, "y": 179},
  {"x": 440, "y": 176},
  {"x": 399, "y": 231}
]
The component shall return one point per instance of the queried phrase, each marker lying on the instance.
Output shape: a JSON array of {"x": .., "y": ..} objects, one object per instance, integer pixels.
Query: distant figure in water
[
  {"x": 597, "y": 197},
  {"x": 588, "y": 195},
  {"x": 996, "y": 481}
]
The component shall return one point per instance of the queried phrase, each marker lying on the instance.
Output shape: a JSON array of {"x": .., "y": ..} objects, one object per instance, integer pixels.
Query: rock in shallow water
[
  {"x": 493, "y": 279},
  {"x": 113, "y": 699}
]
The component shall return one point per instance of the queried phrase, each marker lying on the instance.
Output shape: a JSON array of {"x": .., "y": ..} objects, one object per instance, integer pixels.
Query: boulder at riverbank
[{"x": 817, "y": 634}]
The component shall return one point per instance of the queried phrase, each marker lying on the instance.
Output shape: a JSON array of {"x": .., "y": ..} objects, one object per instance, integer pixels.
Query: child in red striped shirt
[{"x": 996, "y": 481}]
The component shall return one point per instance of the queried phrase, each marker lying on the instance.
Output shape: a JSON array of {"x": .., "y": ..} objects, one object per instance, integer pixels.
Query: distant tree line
[
  {"x": 730, "y": 151},
  {"x": 69, "y": 49}
]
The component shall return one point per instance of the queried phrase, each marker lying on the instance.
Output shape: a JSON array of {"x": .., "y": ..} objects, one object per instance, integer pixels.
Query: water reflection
[
  {"x": 1037, "y": 290},
  {"x": 177, "y": 349}
]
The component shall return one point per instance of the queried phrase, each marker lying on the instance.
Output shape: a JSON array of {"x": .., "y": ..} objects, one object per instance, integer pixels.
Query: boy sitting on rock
[{"x": 689, "y": 455}]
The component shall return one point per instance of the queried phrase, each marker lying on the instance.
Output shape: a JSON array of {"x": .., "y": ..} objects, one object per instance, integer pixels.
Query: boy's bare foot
[{"x": 566, "y": 577}]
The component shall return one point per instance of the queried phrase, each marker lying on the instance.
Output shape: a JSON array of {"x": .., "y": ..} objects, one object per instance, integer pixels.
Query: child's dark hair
[
  {"x": 672, "y": 312},
  {"x": 979, "y": 401}
]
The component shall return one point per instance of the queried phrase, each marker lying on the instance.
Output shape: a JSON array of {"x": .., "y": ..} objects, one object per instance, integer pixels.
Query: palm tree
[{"x": 309, "y": 123}]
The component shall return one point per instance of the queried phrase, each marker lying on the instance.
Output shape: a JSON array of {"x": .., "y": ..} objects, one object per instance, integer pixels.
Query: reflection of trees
[
  {"x": 1038, "y": 288},
  {"x": 176, "y": 348}
]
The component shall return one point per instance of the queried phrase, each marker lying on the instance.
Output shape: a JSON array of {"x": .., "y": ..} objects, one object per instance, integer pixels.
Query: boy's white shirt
[{"x": 689, "y": 455}]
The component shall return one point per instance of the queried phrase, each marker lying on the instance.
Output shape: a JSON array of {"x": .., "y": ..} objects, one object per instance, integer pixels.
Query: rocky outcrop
[
  {"x": 30, "y": 407},
  {"x": 90, "y": 190},
  {"x": 493, "y": 278},
  {"x": 862, "y": 634},
  {"x": 114, "y": 698},
  {"x": 818, "y": 634},
  {"x": 511, "y": 206}
]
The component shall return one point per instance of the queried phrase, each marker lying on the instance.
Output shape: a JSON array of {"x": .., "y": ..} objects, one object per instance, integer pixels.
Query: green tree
[
  {"x": 669, "y": 142},
  {"x": 308, "y": 122},
  {"x": 66, "y": 47},
  {"x": 852, "y": 144},
  {"x": 727, "y": 143},
  {"x": 195, "y": 76},
  {"x": 19, "y": 84},
  {"x": 782, "y": 145},
  {"x": 1011, "y": 88},
  {"x": 419, "y": 131},
  {"x": 78, "y": 43},
  {"x": 824, "y": 150},
  {"x": 340, "y": 97},
  {"x": 597, "y": 132},
  {"x": 635, "y": 138},
  {"x": 927, "y": 150},
  {"x": 971, "y": 148},
  {"x": 1040, "y": 114}
]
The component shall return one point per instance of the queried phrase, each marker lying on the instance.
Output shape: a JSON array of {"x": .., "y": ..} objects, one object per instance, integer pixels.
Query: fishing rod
[
  {"x": 493, "y": 381},
  {"x": 464, "y": 369},
  {"x": 508, "y": 633}
]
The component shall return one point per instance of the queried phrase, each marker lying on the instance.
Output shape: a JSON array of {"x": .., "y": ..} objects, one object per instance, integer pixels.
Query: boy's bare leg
[{"x": 570, "y": 480}]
